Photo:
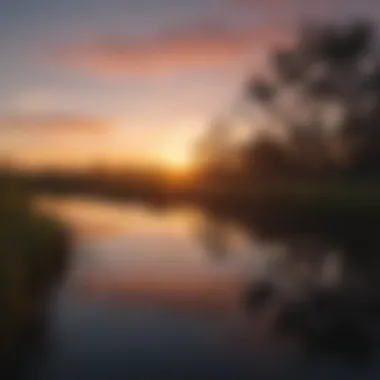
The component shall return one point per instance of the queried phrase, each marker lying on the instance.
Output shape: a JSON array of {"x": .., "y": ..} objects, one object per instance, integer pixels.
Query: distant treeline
[{"x": 131, "y": 182}]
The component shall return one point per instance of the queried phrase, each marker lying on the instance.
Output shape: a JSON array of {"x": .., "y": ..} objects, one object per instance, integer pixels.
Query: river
[{"x": 155, "y": 293}]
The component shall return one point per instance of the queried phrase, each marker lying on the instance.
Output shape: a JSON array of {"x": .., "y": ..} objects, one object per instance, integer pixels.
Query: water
[{"x": 178, "y": 294}]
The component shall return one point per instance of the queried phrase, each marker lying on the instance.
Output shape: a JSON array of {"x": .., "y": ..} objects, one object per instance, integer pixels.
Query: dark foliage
[{"x": 331, "y": 125}]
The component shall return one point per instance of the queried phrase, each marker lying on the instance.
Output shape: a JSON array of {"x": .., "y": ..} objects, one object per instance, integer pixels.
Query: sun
[{"x": 178, "y": 159}]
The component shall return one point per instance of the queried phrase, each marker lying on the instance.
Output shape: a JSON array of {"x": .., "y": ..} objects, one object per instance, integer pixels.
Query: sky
[{"x": 92, "y": 81}]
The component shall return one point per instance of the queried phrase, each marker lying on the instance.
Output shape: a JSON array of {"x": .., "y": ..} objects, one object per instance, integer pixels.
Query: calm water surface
[{"x": 165, "y": 294}]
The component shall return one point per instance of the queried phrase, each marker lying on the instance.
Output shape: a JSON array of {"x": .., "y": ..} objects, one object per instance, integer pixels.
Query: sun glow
[{"x": 177, "y": 159}]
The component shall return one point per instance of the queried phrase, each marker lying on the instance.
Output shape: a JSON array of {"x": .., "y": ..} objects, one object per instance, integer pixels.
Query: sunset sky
[{"x": 133, "y": 80}]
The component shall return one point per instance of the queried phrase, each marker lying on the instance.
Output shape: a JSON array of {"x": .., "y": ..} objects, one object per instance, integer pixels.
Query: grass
[{"x": 33, "y": 250}]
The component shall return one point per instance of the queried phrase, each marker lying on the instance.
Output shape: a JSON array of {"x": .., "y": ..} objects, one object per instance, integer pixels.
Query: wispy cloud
[
  {"x": 52, "y": 124},
  {"x": 200, "y": 47}
]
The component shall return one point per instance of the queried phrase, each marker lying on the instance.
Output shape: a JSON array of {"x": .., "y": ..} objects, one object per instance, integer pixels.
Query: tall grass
[{"x": 33, "y": 251}]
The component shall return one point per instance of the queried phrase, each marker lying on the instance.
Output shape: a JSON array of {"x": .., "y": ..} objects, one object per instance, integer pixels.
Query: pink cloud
[{"x": 173, "y": 52}]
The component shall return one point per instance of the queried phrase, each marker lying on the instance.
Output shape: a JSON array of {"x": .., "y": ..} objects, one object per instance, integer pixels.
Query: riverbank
[
  {"x": 34, "y": 250},
  {"x": 325, "y": 205}
]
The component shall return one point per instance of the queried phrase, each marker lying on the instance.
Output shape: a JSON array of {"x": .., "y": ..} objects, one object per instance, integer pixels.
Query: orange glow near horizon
[
  {"x": 175, "y": 160},
  {"x": 168, "y": 148},
  {"x": 178, "y": 160}
]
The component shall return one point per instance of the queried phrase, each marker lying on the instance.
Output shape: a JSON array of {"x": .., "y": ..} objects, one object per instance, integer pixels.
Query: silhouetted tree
[{"x": 322, "y": 102}]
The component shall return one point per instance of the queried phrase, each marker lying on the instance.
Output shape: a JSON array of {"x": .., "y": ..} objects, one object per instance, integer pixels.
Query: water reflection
[
  {"x": 321, "y": 286},
  {"x": 227, "y": 291}
]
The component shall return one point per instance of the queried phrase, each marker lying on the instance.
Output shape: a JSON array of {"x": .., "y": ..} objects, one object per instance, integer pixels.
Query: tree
[{"x": 322, "y": 107}]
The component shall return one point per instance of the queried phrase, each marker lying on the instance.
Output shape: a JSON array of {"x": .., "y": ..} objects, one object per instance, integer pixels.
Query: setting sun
[{"x": 177, "y": 159}]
